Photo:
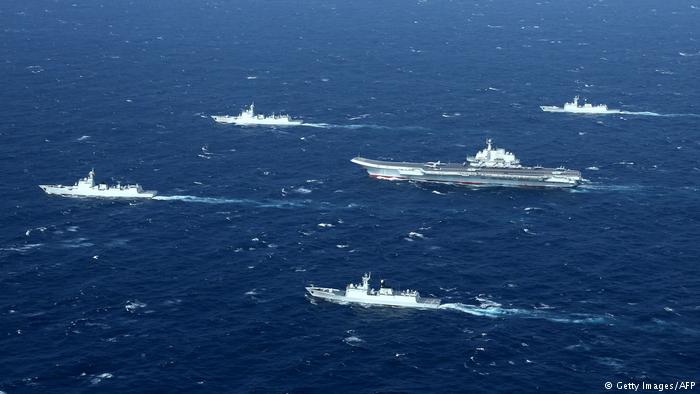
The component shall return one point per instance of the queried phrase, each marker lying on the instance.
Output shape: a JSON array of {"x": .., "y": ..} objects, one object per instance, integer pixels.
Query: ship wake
[
  {"x": 496, "y": 311},
  {"x": 361, "y": 126},
  {"x": 620, "y": 112},
  {"x": 646, "y": 113},
  {"x": 238, "y": 201},
  {"x": 631, "y": 113},
  {"x": 607, "y": 188}
]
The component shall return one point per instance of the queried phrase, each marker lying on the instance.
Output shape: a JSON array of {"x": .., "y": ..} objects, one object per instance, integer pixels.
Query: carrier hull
[{"x": 467, "y": 175}]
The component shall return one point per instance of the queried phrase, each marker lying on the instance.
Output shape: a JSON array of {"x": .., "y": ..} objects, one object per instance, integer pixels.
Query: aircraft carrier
[{"x": 490, "y": 167}]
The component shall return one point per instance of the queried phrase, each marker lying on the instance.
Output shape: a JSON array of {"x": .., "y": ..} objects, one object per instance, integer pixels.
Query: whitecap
[
  {"x": 323, "y": 225},
  {"x": 83, "y": 138},
  {"x": 414, "y": 234},
  {"x": 593, "y": 168},
  {"x": 302, "y": 190},
  {"x": 353, "y": 340},
  {"x": 29, "y": 231},
  {"x": 34, "y": 69},
  {"x": 132, "y": 306},
  {"x": 98, "y": 378}
]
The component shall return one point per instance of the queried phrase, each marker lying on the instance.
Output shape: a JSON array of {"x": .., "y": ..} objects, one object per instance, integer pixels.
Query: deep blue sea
[{"x": 202, "y": 290}]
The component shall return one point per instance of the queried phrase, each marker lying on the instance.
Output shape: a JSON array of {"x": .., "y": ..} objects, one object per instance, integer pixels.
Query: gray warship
[
  {"x": 489, "y": 167},
  {"x": 86, "y": 187},
  {"x": 365, "y": 295}
]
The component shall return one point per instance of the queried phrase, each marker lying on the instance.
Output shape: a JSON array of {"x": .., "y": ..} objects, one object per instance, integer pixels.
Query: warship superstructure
[
  {"x": 489, "y": 167},
  {"x": 364, "y": 294},
  {"x": 576, "y": 108},
  {"x": 86, "y": 187},
  {"x": 248, "y": 117}
]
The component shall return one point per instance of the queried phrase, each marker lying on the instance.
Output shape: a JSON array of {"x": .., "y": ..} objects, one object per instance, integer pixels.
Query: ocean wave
[{"x": 21, "y": 249}]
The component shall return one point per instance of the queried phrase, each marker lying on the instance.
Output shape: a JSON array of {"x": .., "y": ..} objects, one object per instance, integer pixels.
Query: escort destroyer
[
  {"x": 364, "y": 294},
  {"x": 490, "y": 167},
  {"x": 576, "y": 108},
  {"x": 86, "y": 187},
  {"x": 248, "y": 117}
]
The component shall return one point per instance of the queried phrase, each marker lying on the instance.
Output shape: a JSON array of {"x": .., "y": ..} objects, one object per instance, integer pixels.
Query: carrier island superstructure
[{"x": 490, "y": 167}]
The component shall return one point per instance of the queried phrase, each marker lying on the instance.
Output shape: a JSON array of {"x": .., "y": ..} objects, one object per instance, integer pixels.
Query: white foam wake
[
  {"x": 361, "y": 126},
  {"x": 641, "y": 113},
  {"x": 497, "y": 311},
  {"x": 318, "y": 125},
  {"x": 647, "y": 113},
  {"x": 619, "y": 112},
  {"x": 615, "y": 188},
  {"x": 240, "y": 201},
  {"x": 487, "y": 311}
]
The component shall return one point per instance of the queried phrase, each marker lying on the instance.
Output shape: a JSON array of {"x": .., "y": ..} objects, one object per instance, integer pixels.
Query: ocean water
[{"x": 202, "y": 289}]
